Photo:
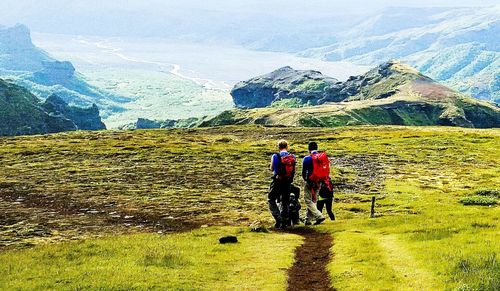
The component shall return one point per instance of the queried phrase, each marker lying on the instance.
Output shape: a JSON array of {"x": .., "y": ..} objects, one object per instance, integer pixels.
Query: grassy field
[
  {"x": 192, "y": 260},
  {"x": 113, "y": 192}
]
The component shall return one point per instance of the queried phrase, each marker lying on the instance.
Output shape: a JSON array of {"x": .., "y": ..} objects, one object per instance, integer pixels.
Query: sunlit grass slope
[
  {"x": 186, "y": 261},
  {"x": 437, "y": 224}
]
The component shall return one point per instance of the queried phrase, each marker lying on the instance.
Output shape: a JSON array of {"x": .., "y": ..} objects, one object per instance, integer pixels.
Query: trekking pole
[{"x": 373, "y": 208}]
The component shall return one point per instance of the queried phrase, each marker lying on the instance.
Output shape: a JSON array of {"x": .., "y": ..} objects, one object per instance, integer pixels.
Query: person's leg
[
  {"x": 320, "y": 205},
  {"x": 312, "y": 210},
  {"x": 309, "y": 216},
  {"x": 285, "y": 203},
  {"x": 273, "y": 205},
  {"x": 329, "y": 204}
]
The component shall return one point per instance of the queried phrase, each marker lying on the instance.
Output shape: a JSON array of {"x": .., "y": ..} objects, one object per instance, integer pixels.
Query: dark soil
[
  {"x": 309, "y": 272},
  {"x": 369, "y": 173}
]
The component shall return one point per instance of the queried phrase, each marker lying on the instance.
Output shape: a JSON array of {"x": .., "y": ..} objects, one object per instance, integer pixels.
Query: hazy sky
[
  {"x": 113, "y": 17},
  {"x": 272, "y": 6}
]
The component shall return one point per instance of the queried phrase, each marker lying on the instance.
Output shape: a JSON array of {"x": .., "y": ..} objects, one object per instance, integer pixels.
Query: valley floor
[{"x": 144, "y": 209}]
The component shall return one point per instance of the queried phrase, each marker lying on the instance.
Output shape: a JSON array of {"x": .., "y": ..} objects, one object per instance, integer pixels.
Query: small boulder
[{"x": 228, "y": 240}]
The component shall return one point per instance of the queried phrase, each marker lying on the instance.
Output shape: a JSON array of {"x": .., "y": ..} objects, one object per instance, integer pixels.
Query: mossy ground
[
  {"x": 186, "y": 261},
  {"x": 91, "y": 184}
]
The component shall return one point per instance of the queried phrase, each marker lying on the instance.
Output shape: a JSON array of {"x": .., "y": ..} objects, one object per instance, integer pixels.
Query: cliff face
[
  {"x": 83, "y": 118},
  {"x": 22, "y": 113},
  {"x": 17, "y": 52},
  {"x": 307, "y": 87}
]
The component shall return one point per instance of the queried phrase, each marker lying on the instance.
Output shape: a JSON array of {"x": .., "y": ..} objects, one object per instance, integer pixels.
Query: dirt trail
[{"x": 309, "y": 272}]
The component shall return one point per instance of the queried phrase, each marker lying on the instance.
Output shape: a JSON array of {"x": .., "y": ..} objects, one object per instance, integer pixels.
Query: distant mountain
[
  {"x": 22, "y": 113},
  {"x": 17, "y": 52},
  {"x": 458, "y": 46},
  {"x": 424, "y": 37},
  {"x": 392, "y": 93},
  {"x": 32, "y": 68}
]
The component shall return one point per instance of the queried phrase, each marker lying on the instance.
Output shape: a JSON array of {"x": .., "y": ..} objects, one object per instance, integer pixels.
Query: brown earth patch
[
  {"x": 309, "y": 272},
  {"x": 432, "y": 91}
]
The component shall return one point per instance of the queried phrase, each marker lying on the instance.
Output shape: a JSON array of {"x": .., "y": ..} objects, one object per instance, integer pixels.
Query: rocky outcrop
[
  {"x": 391, "y": 94},
  {"x": 313, "y": 88},
  {"x": 17, "y": 52},
  {"x": 310, "y": 87},
  {"x": 22, "y": 113},
  {"x": 83, "y": 118}
]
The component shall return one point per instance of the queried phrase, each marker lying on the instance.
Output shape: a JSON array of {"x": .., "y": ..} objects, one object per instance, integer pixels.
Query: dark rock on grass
[{"x": 228, "y": 240}]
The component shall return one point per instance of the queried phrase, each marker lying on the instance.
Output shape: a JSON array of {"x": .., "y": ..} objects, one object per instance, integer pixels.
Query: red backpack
[
  {"x": 321, "y": 167},
  {"x": 286, "y": 167}
]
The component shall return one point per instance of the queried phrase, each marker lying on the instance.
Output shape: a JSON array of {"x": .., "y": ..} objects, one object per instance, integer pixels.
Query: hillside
[
  {"x": 457, "y": 46},
  {"x": 22, "y": 113},
  {"x": 32, "y": 68},
  {"x": 102, "y": 210},
  {"x": 392, "y": 93}
]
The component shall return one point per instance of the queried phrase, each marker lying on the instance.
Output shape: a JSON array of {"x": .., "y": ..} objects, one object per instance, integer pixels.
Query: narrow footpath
[{"x": 309, "y": 272}]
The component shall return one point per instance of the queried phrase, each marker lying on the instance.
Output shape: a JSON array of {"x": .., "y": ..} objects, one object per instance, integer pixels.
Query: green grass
[
  {"x": 192, "y": 260},
  {"x": 288, "y": 103},
  {"x": 312, "y": 86},
  {"x": 422, "y": 238},
  {"x": 488, "y": 192},
  {"x": 478, "y": 200}
]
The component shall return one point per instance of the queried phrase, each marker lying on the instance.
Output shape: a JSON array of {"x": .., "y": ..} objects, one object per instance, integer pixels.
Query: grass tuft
[
  {"x": 480, "y": 272},
  {"x": 488, "y": 192},
  {"x": 479, "y": 200}
]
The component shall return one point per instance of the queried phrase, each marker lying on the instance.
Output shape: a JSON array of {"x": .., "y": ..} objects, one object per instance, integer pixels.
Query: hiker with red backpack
[
  {"x": 283, "y": 167},
  {"x": 315, "y": 171}
]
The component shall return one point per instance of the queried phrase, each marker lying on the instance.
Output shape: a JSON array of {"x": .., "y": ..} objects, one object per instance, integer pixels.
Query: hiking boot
[{"x": 319, "y": 221}]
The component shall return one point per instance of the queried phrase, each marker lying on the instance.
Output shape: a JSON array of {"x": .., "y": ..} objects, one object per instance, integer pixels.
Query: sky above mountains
[
  {"x": 49, "y": 15},
  {"x": 203, "y": 18}
]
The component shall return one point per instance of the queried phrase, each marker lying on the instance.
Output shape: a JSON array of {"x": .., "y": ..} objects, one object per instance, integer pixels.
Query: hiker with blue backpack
[
  {"x": 318, "y": 185},
  {"x": 283, "y": 167}
]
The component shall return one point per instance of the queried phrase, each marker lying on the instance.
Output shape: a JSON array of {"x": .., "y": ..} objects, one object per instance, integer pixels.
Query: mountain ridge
[
  {"x": 391, "y": 93},
  {"x": 438, "y": 42}
]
